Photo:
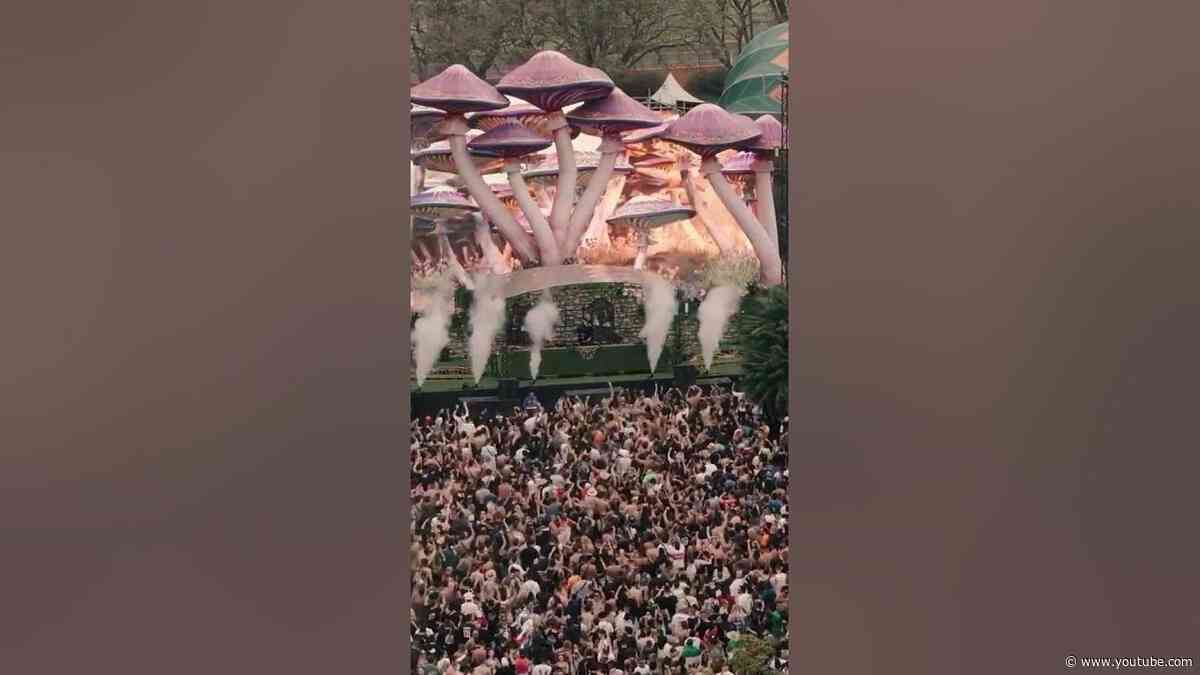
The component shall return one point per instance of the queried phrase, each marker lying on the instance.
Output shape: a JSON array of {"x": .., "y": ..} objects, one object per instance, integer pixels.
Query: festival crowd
[{"x": 641, "y": 533}]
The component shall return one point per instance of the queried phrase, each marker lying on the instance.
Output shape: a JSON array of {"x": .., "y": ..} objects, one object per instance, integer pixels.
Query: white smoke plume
[
  {"x": 658, "y": 297},
  {"x": 431, "y": 332},
  {"x": 487, "y": 317},
  {"x": 539, "y": 323},
  {"x": 720, "y": 303}
]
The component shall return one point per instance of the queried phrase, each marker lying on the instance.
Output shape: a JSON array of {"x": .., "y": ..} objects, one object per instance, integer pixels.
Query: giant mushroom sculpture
[
  {"x": 608, "y": 118},
  {"x": 739, "y": 170},
  {"x": 519, "y": 112},
  {"x": 707, "y": 130},
  {"x": 422, "y": 121},
  {"x": 587, "y": 164},
  {"x": 434, "y": 210},
  {"x": 551, "y": 81},
  {"x": 504, "y": 192},
  {"x": 648, "y": 134},
  {"x": 763, "y": 148},
  {"x": 642, "y": 214},
  {"x": 458, "y": 91},
  {"x": 513, "y": 141},
  {"x": 438, "y": 157}
]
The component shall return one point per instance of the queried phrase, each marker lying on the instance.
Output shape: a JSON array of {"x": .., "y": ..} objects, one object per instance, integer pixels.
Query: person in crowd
[{"x": 629, "y": 535}]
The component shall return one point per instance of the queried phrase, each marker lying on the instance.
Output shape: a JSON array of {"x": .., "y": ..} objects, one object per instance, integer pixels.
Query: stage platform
[{"x": 487, "y": 397}]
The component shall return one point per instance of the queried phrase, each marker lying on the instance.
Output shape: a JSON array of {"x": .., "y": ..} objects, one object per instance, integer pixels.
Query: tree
[
  {"x": 612, "y": 35},
  {"x": 720, "y": 29},
  {"x": 780, "y": 9},
  {"x": 479, "y": 34},
  {"x": 762, "y": 330}
]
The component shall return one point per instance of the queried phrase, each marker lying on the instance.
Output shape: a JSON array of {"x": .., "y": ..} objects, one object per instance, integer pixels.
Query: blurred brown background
[
  {"x": 995, "y": 254},
  {"x": 204, "y": 337}
]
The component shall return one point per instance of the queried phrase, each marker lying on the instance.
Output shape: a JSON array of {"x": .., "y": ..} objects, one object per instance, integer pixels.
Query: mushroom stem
[
  {"x": 771, "y": 266},
  {"x": 610, "y": 147},
  {"x": 524, "y": 246},
  {"x": 418, "y": 178},
  {"x": 643, "y": 245},
  {"x": 426, "y": 255},
  {"x": 491, "y": 253},
  {"x": 542, "y": 234},
  {"x": 765, "y": 199},
  {"x": 564, "y": 197},
  {"x": 723, "y": 243},
  {"x": 447, "y": 250}
]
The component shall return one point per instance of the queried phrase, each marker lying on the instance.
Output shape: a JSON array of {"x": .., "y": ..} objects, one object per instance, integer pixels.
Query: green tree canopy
[{"x": 762, "y": 329}]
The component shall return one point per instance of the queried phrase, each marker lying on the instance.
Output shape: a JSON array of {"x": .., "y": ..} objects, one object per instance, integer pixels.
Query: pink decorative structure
[
  {"x": 551, "y": 81},
  {"x": 513, "y": 141},
  {"x": 458, "y": 91},
  {"x": 643, "y": 214},
  {"x": 707, "y": 130},
  {"x": 608, "y": 118},
  {"x": 763, "y": 149},
  {"x": 440, "y": 210}
]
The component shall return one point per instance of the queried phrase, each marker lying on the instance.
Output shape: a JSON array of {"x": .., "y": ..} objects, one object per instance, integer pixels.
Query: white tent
[{"x": 672, "y": 93}]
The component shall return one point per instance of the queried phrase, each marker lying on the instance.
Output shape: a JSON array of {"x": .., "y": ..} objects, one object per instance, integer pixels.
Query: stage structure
[{"x": 555, "y": 180}]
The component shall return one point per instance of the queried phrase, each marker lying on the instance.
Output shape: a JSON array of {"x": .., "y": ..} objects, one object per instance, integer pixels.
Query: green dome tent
[{"x": 754, "y": 86}]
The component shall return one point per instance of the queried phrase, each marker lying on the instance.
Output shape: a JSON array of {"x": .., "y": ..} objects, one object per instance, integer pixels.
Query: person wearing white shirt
[
  {"x": 624, "y": 462},
  {"x": 466, "y": 426},
  {"x": 529, "y": 589},
  {"x": 735, "y": 588},
  {"x": 679, "y": 629},
  {"x": 469, "y": 608},
  {"x": 779, "y": 581},
  {"x": 675, "y": 551},
  {"x": 745, "y": 602},
  {"x": 620, "y": 623}
]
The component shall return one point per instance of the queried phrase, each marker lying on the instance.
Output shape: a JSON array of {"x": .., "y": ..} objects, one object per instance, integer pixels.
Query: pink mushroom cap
[
  {"x": 614, "y": 113},
  {"x": 457, "y": 90},
  {"x": 708, "y": 129},
  {"x": 551, "y": 81},
  {"x": 648, "y": 212},
  {"x": 642, "y": 135},
  {"x": 772, "y": 135},
  {"x": 437, "y": 157},
  {"x": 740, "y": 164},
  {"x": 510, "y": 140},
  {"x": 423, "y": 123}
]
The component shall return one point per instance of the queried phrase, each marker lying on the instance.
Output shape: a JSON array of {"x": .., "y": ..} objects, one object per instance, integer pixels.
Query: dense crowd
[{"x": 640, "y": 533}]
